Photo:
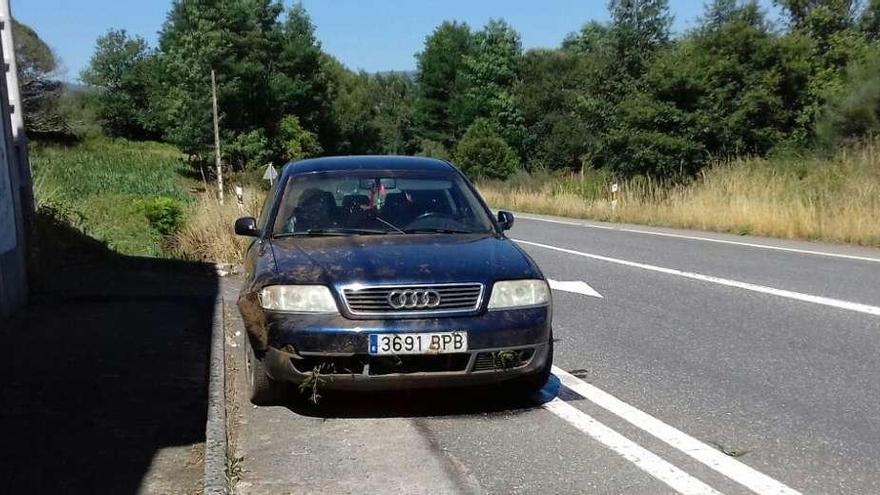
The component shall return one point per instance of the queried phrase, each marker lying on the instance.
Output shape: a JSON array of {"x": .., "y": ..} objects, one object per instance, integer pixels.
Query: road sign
[{"x": 271, "y": 174}]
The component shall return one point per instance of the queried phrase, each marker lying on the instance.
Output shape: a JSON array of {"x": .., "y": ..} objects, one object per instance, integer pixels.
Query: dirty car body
[{"x": 386, "y": 273}]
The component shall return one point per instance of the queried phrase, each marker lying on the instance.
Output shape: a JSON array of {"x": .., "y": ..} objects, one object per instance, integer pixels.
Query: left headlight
[
  {"x": 519, "y": 293},
  {"x": 298, "y": 298}
]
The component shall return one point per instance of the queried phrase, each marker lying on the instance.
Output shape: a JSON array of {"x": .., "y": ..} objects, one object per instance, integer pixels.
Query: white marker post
[
  {"x": 239, "y": 197},
  {"x": 271, "y": 174},
  {"x": 614, "y": 189}
]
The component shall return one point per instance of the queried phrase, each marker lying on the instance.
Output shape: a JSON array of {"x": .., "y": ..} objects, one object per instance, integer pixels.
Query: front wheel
[
  {"x": 528, "y": 385},
  {"x": 264, "y": 391}
]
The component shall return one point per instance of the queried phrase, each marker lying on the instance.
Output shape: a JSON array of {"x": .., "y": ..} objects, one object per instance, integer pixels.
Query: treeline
[{"x": 625, "y": 96}]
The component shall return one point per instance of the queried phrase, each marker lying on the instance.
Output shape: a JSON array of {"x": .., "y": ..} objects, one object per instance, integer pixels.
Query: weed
[
  {"x": 506, "y": 359},
  {"x": 314, "y": 380}
]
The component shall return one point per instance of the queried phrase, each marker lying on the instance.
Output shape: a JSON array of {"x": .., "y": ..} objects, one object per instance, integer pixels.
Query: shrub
[
  {"x": 164, "y": 214},
  {"x": 482, "y": 153}
]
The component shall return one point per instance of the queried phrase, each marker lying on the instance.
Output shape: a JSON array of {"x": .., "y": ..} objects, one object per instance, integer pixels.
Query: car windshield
[{"x": 359, "y": 203}]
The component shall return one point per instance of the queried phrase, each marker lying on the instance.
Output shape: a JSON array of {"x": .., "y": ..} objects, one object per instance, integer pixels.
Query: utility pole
[{"x": 217, "y": 138}]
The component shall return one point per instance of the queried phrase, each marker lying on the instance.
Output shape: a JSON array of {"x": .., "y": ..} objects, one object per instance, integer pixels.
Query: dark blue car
[{"x": 387, "y": 272}]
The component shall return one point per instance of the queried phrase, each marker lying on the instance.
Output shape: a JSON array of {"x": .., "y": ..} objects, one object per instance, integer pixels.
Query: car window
[{"x": 379, "y": 203}]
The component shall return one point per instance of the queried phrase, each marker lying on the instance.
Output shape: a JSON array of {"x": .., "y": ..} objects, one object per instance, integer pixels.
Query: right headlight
[
  {"x": 519, "y": 293},
  {"x": 298, "y": 299}
]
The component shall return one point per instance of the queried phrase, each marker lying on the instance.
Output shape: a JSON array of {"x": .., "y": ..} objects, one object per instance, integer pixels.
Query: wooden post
[{"x": 217, "y": 138}]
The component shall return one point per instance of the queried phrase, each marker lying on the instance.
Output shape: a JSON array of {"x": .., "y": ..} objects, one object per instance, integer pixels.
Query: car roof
[{"x": 371, "y": 162}]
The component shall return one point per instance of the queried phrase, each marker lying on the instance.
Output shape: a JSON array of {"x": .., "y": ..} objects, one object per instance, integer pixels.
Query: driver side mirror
[
  {"x": 247, "y": 226},
  {"x": 505, "y": 220}
]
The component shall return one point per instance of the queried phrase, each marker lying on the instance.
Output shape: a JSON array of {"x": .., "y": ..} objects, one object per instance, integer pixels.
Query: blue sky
[{"x": 372, "y": 35}]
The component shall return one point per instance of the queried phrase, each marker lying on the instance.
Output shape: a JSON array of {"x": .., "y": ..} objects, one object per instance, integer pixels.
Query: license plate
[{"x": 418, "y": 343}]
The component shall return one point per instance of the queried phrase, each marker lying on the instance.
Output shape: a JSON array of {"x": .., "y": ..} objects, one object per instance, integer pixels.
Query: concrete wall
[{"x": 15, "y": 208}]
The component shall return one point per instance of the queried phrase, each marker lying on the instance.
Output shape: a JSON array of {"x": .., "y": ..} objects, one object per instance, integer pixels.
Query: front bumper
[{"x": 502, "y": 345}]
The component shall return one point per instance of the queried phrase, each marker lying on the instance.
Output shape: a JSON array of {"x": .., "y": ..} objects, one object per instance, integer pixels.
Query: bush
[
  {"x": 482, "y": 153},
  {"x": 853, "y": 111},
  {"x": 433, "y": 149},
  {"x": 165, "y": 214}
]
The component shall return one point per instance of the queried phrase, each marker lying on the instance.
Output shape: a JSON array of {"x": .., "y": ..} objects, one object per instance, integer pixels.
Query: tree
[
  {"x": 551, "y": 83},
  {"x": 239, "y": 40},
  {"x": 122, "y": 72},
  {"x": 298, "y": 83},
  {"x": 853, "y": 112},
  {"x": 639, "y": 29},
  {"x": 482, "y": 153},
  {"x": 490, "y": 72},
  {"x": 439, "y": 82},
  {"x": 40, "y": 90}
]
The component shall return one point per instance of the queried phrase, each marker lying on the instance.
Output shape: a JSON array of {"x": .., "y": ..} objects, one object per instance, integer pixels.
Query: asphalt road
[{"x": 711, "y": 364}]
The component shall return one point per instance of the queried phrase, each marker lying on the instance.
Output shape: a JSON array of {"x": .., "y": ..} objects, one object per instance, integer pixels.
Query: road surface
[{"x": 689, "y": 363}]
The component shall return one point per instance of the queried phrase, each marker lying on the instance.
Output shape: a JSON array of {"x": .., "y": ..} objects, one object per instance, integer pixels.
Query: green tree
[
  {"x": 547, "y": 94},
  {"x": 483, "y": 153},
  {"x": 490, "y": 73},
  {"x": 40, "y": 89},
  {"x": 298, "y": 82},
  {"x": 439, "y": 81},
  {"x": 237, "y": 38},
  {"x": 122, "y": 73},
  {"x": 853, "y": 112},
  {"x": 296, "y": 141},
  {"x": 639, "y": 28}
]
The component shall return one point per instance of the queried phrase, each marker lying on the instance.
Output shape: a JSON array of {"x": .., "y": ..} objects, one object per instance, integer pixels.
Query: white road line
[
  {"x": 824, "y": 301},
  {"x": 707, "y": 239},
  {"x": 750, "y": 478},
  {"x": 644, "y": 459},
  {"x": 576, "y": 286}
]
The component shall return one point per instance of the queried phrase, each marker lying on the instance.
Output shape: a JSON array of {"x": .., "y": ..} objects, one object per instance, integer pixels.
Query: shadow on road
[
  {"x": 105, "y": 374},
  {"x": 483, "y": 401}
]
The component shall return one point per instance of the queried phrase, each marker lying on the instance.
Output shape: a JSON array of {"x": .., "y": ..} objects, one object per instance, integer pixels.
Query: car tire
[
  {"x": 264, "y": 391},
  {"x": 528, "y": 385}
]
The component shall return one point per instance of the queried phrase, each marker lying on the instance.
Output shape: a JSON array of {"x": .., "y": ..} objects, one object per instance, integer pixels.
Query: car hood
[{"x": 404, "y": 259}]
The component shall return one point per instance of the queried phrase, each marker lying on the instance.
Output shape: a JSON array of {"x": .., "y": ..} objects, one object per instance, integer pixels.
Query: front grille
[{"x": 453, "y": 298}]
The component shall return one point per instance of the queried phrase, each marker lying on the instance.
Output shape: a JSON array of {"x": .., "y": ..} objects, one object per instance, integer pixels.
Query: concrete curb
[{"x": 215, "y": 429}]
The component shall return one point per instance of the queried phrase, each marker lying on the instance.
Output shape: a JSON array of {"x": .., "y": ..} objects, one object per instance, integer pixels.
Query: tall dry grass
[
  {"x": 208, "y": 233},
  {"x": 834, "y": 199}
]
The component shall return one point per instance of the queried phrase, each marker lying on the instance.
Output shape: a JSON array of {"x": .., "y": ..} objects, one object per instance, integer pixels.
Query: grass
[
  {"x": 831, "y": 199},
  {"x": 107, "y": 186},
  {"x": 207, "y": 234}
]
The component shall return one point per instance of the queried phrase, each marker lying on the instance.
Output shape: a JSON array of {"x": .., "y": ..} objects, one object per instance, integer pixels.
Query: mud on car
[{"x": 387, "y": 272}]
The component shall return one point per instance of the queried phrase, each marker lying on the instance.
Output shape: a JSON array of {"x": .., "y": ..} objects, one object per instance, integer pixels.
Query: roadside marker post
[{"x": 614, "y": 189}]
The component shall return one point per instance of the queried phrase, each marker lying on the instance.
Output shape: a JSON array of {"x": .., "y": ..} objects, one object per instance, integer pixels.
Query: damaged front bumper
[{"x": 502, "y": 345}]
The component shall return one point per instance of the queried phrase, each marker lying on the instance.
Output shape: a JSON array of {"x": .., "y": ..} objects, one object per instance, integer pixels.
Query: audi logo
[{"x": 414, "y": 299}]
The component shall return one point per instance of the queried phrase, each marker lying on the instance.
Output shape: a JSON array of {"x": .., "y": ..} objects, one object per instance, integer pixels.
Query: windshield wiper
[
  {"x": 334, "y": 231},
  {"x": 386, "y": 222},
  {"x": 441, "y": 231}
]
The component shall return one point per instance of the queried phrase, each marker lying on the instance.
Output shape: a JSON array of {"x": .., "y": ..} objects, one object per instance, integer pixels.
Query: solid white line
[
  {"x": 576, "y": 286},
  {"x": 706, "y": 239},
  {"x": 825, "y": 301},
  {"x": 644, "y": 459},
  {"x": 750, "y": 478}
]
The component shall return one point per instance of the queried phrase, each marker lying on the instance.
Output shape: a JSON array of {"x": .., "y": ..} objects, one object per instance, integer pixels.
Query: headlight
[
  {"x": 519, "y": 293},
  {"x": 298, "y": 298}
]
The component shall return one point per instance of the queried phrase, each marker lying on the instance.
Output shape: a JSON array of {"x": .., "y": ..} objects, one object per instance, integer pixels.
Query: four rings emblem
[{"x": 414, "y": 299}]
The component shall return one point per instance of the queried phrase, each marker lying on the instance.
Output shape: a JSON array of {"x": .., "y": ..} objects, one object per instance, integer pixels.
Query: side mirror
[
  {"x": 505, "y": 220},
  {"x": 247, "y": 226}
]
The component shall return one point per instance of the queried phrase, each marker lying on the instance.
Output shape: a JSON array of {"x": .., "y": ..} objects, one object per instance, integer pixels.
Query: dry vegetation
[
  {"x": 833, "y": 199},
  {"x": 208, "y": 233}
]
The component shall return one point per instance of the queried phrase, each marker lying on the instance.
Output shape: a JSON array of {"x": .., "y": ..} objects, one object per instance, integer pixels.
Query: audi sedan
[{"x": 388, "y": 272}]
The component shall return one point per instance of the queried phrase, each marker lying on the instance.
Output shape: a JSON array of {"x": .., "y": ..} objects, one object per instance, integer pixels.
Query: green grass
[{"x": 108, "y": 186}]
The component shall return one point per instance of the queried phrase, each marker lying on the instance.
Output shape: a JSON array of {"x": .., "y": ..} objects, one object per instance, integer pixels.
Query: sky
[{"x": 373, "y": 35}]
